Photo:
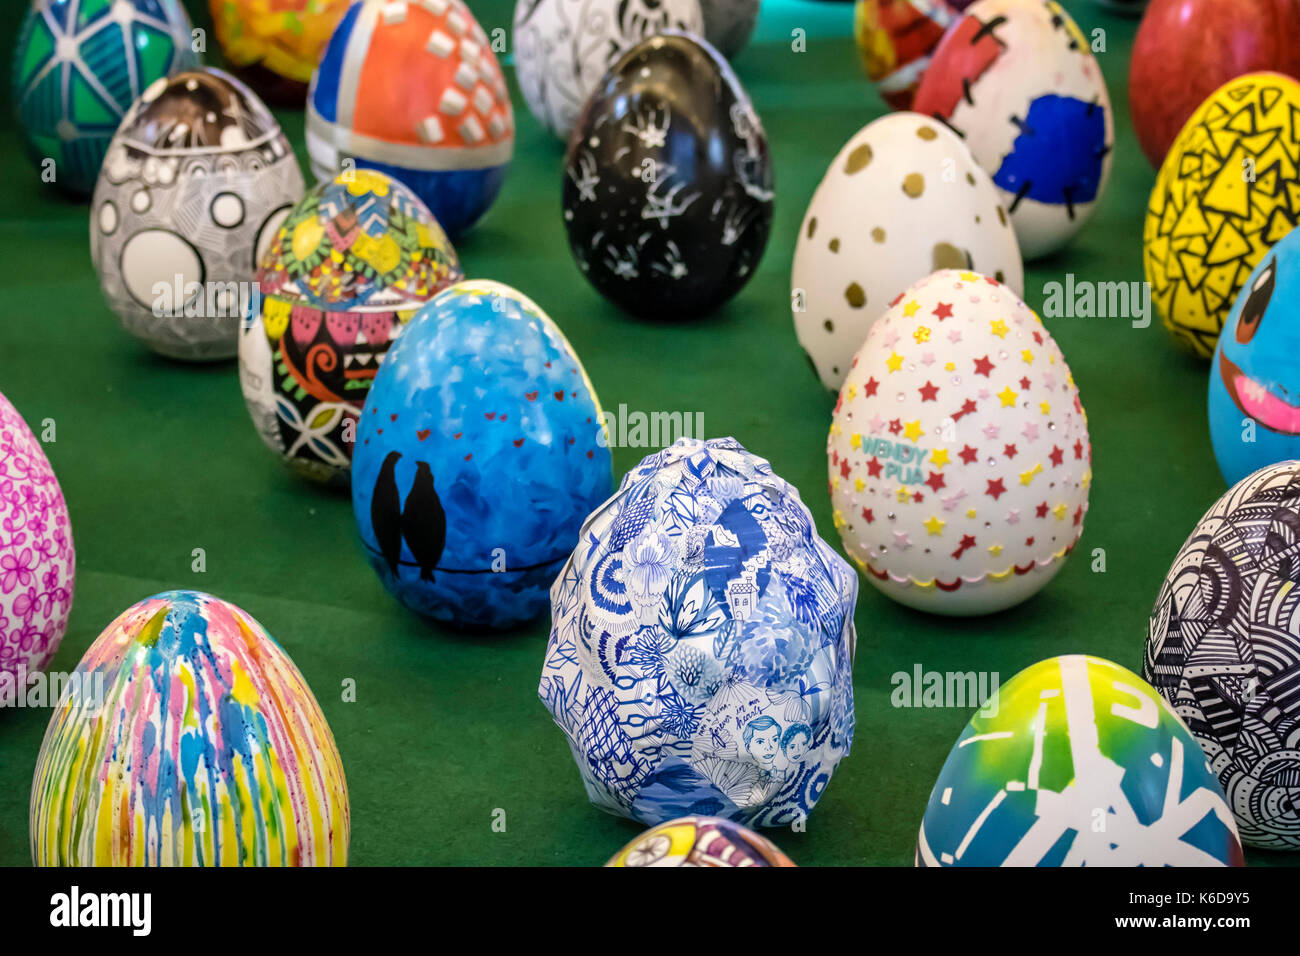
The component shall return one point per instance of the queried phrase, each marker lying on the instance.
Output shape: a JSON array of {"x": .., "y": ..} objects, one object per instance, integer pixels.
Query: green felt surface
[{"x": 158, "y": 458}]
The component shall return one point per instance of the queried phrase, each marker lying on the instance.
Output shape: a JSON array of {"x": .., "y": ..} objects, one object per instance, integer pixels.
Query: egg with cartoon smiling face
[{"x": 1255, "y": 378}]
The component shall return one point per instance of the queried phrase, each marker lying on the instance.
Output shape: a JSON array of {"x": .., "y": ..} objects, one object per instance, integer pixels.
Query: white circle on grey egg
[
  {"x": 227, "y": 210},
  {"x": 156, "y": 255},
  {"x": 108, "y": 218},
  {"x": 141, "y": 201}
]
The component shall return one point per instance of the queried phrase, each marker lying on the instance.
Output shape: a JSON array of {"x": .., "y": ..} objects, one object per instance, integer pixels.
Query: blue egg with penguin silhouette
[
  {"x": 1254, "y": 400},
  {"x": 479, "y": 454}
]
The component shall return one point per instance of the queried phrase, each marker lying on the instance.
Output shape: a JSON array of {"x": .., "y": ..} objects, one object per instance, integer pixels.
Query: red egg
[{"x": 1187, "y": 49}]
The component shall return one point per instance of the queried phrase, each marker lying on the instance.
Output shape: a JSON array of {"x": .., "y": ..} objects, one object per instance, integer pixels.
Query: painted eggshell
[
  {"x": 193, "y": 188},
  {"x": 344, "y": 272},
  {"x": 563, "y": 47},
  {"x": 1224, "y": 645},
  {"x": 274, "y": 45},
  {"x": 896, "y": 39},
  {"x": 700, "y": 601},
  {"x": 479, "y": 454},
  {"x": 959, "y": 455},
  {"x": 1018, "y": 81},
  {"x": 78, "y": 68},
  {"x": 414, "y": 90},
  {"x": 188, "y": 738},
  {"x": 1077, "y": 762},
  {"x": 1228, "y": 190},
  {"x": 668, "y": 181},
  {"x": 728, "y": 23},
  {"x": 1255, "y": 378},
  {"x": 37, "y": 559},
  {"x": 903, "y": 198},
  {"x": 700, "y": 841}
]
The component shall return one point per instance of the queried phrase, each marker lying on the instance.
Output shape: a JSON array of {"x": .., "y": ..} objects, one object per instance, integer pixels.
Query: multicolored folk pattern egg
[
  {"x": 903, "y": 198},
  {"x": 564, "y": 47},
  {"x": 1077, "y": 762},
  {"x": 701, "y": 650},
  {"x": 668, "y": 185},
  {"x": 1255, "y": 378},
  {"x": 37, "y": 559},
  {"x": 481, "y": 451},
  {"x": 700, "y": 841},
  {"x": 896, "y": 39},
  {"x": 1018, "y": 80},
  {"x": 959, "y": 455},
  {"x": 1228, "y": 190},
  {"x": 1223, "y": 648},
  {"x": 274, "y": 45},
  {"x": 193, "y": 190},
  {"x": 412, "y": 88},
  {"x": 78, "y": 67},
  {"x": 346, "y": 270},
  {"x": 190, "y": 739}
]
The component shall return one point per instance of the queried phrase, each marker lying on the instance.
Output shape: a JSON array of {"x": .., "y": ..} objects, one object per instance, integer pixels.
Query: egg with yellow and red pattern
[
  {"x": 342, "y": 275},
  {"x": 1017, "y": 80},
  {"x": 480, "y": 453},
  {"x": 896, "y": 39},
  {"x": 958, "y": 450},
  {"x": 699, "y": 841},
  {"x": 412, "y": 88}
]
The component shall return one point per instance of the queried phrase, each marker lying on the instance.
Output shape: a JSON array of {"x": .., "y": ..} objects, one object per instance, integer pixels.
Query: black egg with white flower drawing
[{"x": 668, "y": 182}]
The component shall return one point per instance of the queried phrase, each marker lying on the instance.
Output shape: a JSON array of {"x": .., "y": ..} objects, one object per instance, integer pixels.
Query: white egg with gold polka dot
[
  {"x": 959, "y": 455},
  {"x": 903, "y": 198},
  {"x": 194, "y": 185}
]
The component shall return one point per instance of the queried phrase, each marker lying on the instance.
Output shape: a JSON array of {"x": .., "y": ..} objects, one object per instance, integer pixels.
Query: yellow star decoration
[
  {"x": 858, "y": 485},
  {"x": 837, "y": 519},
  {"x": 968, "y": 277},
  {"x": 999, "y": 328},
  {"x": 950, "y": 367},
  {"x": 895, "y": 362},
  {"x": 835, "y": 428},
  {"x": 835, "y": 482},
  {"x": 856, "y": 441},
  {"x": 913, "y": 430},
  {"x": 1059, "y": 511},
  {"x": 970, "y": 512},
  {"x": 903, "y": 494},
  {"x": 1008, "y": 397},
  {"x": 1028, "y": 356},
  {"x": 1045, "y": 407},
  {"x": 911, "y": 308},
  {"x": 1087, "y": 478},
  {"x": 995, "y": 549},
  {"x": 922, "y": 334},
  {"x": 934, "y": 526},
  {"x": 1028, "y": 476},
  {"x": 853, "y": 391},
  {"x": 939, "y": 458}
]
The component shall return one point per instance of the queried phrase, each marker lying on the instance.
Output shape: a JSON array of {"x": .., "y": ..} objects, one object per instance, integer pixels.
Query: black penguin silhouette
[
  {"x": 424, "y": 523},
  {"x": 386, "y": 513}
]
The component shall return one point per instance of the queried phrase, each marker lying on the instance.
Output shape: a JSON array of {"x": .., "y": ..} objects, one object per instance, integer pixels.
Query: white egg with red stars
[{"x": 959, "y": 456}]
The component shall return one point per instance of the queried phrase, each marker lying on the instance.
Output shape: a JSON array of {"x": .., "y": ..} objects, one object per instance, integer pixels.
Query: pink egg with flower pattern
[{"x": 37, "y": 562}]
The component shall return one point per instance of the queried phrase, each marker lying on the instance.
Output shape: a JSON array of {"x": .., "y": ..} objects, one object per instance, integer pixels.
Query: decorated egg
[
  {"x": 903, "y": 198},
  {"x": 414, "y": 90},
  {"x": 78, "y": 68},
  {"x": 37, "y": 560},
  {"x": 896, "y": 39},
  {"x": 959, "y": 454},
  {"x": 564, "y": 47},
  {"x": 1224, "y": 643},
  {"x": 1018, "y": 81},
  {"x": 701, "y": 650},
  {"x": 274, "y": 45},
  {"x": 481, "y": 451},
  {"x": 1228, "y": 190},
  {"x": 188, "y": 738},
  {"x": 700, "y": 841},
  {"x": 1077, "y": 762},
  {"x": 668, "y": 182},
  {"x": 193, "y": 189},
  {"x": 728, "y": 23},
  {"x": 1255, "y": 378},
  {"x": 344, "y": 272}
]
